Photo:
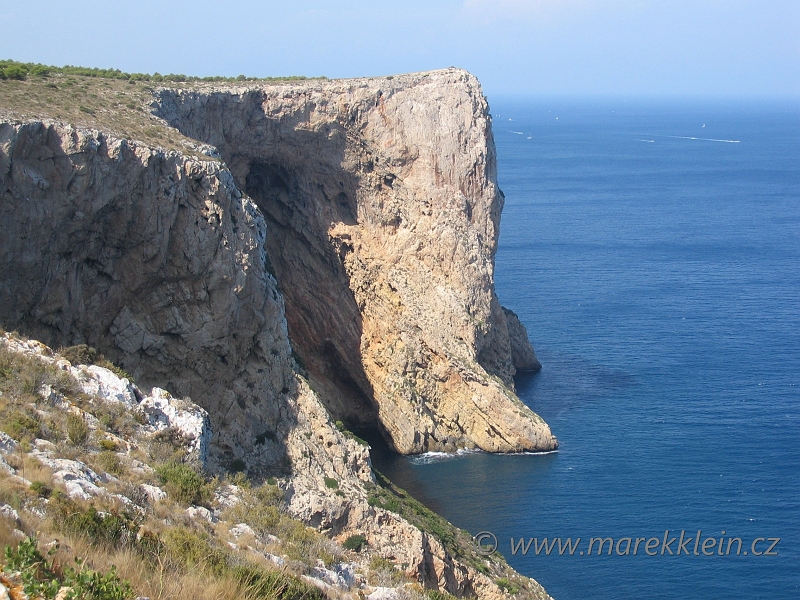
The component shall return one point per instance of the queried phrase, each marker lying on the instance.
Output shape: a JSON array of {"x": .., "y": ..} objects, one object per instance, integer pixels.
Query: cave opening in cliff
[{"x": 299, "y": 206}]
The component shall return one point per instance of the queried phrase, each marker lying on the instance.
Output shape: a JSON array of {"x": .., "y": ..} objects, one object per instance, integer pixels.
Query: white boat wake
[{"x": 686, "y": 137}]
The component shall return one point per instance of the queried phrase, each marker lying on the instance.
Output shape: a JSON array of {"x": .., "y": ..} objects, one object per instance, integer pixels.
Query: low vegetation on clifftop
[{"x": 105, "y": 99}]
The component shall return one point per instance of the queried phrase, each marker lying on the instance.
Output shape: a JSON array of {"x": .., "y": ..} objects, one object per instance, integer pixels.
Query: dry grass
[
  {"x": 33, "y": 470},
  {"x": 159, "y": 581},
  {"x": 117, "y": 106},
  {"x": 109, "y": 105},
  {"x": 159, "y": 548}
]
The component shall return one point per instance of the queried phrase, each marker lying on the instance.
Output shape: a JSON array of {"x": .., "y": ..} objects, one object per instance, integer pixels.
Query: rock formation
[
  {"x": 383, "y": 209},
  {"x": 356, "y": 218}
]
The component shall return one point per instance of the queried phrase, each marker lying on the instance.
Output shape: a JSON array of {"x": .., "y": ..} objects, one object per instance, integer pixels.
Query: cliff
[
  {"x": 382, "y": 203},
  {"x": 330, "y": 257}
]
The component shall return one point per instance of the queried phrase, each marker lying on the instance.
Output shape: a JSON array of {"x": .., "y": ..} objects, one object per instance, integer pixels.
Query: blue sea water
[{"x": 656, "y": 264}]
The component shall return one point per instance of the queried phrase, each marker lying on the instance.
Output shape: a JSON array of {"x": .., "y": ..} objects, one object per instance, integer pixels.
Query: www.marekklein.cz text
[{"x": 669, "y": 544}]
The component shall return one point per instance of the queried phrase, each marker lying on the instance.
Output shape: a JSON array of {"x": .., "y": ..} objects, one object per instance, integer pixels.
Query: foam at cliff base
[{"x": 427, "y": 458}]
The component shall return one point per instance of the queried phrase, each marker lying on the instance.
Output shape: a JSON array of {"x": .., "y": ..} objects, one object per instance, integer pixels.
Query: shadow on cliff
[
  {"x": 136, "y": 259},
  {"x": 294, "y": 173},
  {"x": 323, "y": 317}
]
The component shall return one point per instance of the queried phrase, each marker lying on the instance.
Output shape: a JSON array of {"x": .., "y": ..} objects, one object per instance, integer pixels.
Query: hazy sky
[{"x": 738, "y": 47}]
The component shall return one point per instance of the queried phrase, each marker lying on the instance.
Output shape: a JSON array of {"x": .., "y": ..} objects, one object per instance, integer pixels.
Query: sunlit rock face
[{"x": 383, "y": 211}]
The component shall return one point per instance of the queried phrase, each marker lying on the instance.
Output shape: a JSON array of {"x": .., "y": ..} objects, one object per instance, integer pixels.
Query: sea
[{"x": 652, "y": 249}]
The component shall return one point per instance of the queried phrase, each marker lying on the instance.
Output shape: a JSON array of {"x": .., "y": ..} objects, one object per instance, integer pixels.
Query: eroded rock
[
  {"x": 383, "y": 209},
  {"x": 164, "y": 411}
]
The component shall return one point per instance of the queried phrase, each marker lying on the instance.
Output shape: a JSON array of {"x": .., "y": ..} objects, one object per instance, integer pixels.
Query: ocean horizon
[{"x": 652, "y": 249}]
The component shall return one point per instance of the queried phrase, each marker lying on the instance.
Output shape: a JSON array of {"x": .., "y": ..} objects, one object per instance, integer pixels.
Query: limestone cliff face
[
  {"x": 358, "y": 219},
  {"x": 157, "y": 259},
  {"x": 381, "y": 200}
]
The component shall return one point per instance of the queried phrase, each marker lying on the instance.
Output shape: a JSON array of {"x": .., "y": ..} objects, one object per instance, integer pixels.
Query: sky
[{"x": 567, "y": 47}]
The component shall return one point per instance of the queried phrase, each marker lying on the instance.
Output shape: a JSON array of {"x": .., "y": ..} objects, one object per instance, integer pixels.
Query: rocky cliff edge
[
  {"x": 356, "y": 218},
  {"x": 382, "y": 203}
]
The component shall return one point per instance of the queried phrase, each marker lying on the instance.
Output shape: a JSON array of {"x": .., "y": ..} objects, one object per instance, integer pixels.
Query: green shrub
[
  {"x": 259, "y": 508},
  {"x": 182, "y": 483},
  {"x": 77, "y": 429},
  {"x": 109, "y": 462},
  {"x": 109, "y": 445},
  {"x": 457, "y": 541},
  {"x": 437, "y": 595},
  {"x": 116, "y": 418},
  {"x": 270, "y": 494},
  {"x": 41, "y": 489},
  {"x": 21, "y": 426},
  {"x": 385, "y": 501},
  {"x": 274, "y": 585},
  {"x": 331, "y": 483},
  {"x": 506, "y": 585},
  {"x": 99, "y": 528},
  {"x": 15, "y": 72},
  {"x": 356, "y": 543},
  {"x": 41, "y": 580},
  {"x": 93, "y": 585},
  {"x": 86, "y": 355},
  {"x": 39, "y": 71},
  {"x": 22, "y": 377},
  {"x": 10, "y": 69},
  {"x": 349, "y": 434},
  {"x": 194, "y": 551},
  {"x": 303, "y": 543}
]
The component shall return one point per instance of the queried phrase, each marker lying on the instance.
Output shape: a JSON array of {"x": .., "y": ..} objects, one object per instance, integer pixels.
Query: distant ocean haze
[{"x": 652, "y": 249}]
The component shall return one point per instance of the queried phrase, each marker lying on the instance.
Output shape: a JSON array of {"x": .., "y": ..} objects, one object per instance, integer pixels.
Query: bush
[
  {"x": 10, "y": 69},
  {"x": 109, "y": 445},
  {"x": 100, "y": 528},
  {"x": 331, "y": 483},
  {"x": 506, "y": 585},
  {"x": 259, "y": 508},
  {"x": 274, "y": 585},
  {"x": 41, "y": 489},
  {"x": 356, "y": 543},
  {"x": 21, "y": 426},
  {"x": 93, "y": 585},
  {"x": 22, "y": 377},
  {"x": 457, "y": 541},
  {"x": 15, "y": 72},
  {"x": 437, "y": 595},
  {"x": 86, "y": 355},
  {"x": 182, "y": 483},
  {"x": 194, "y": 551},
  {"x": 169, "y": 445},
  {"x": 110, "y": 463},
  {"x": 41, "y": 580},
  {"x": 304, "y": 544},
  {"x": 386, "y": 574},
  {"x": 349, "y": 434},
  {"x": 77, "y": 429},
  {"x": 80, "y": 354}
]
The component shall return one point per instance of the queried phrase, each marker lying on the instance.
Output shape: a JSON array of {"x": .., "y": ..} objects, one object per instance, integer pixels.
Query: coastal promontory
[{"x": 300, "y": 258}]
